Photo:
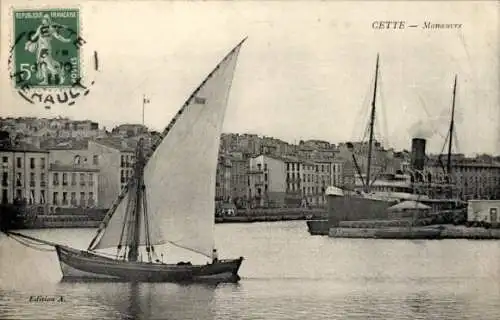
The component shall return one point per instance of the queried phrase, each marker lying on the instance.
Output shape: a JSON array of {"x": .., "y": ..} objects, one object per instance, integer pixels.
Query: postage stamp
[{"x": 46, "y": 55}]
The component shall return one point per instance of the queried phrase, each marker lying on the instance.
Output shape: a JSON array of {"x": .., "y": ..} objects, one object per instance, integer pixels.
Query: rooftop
[
  {"x": 22, "y": 147},
  {"x": 72, "y": 168},
  {"x": 64, "y": 144},
  {"x": 126, "y": 145}
]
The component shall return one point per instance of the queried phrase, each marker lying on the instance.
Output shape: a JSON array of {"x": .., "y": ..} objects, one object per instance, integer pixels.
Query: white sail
[
  {"x": 180, "y": 175},
  {"x": 111, "y": 236}
]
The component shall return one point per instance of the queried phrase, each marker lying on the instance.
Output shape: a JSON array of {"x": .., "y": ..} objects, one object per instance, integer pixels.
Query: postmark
[{"x": 46, "y": 56}]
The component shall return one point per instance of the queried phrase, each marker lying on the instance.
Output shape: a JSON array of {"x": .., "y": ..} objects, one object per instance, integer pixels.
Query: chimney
[{"x": 417, "y": 153}]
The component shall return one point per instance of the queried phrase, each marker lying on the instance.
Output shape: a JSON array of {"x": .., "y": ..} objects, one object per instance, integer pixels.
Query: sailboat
[
  {"x": 370, "y": 203},
  {"x": 153, "y": 209}
]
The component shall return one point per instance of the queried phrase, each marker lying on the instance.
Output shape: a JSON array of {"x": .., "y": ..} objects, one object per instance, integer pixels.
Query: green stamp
[
  {"x": 46, "y": 56},
  {"x": 47, "y": 49}
]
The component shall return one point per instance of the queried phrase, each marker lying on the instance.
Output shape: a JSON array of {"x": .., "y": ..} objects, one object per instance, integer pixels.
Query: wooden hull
[
  {"x": 318, "y": 227},
  {"x": 83, "y": 265}
]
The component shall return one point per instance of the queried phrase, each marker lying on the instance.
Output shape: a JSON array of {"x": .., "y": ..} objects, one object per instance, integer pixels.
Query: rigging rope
[
  {"x": 385, "y": 138},
  {"x": 26, "y": 242},
  {"x": 362, "y": 117}
]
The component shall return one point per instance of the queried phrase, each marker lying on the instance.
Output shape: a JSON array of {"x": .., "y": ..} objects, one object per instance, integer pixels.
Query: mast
[
  {"x": 134, "y": 226},
  {"x": 452, "y": 124},
  {"x": 372, "y": 122}
]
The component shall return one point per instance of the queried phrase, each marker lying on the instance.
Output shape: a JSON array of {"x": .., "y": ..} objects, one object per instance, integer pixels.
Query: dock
[
  {"x": 242, "y": 216},
  {"x": 435, "y": 232}
]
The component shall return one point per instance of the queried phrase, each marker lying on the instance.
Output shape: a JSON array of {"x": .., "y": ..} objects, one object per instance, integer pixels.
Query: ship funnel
[{"x": 418, "y": 153}]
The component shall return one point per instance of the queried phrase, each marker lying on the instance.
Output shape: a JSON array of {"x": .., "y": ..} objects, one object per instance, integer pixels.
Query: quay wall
[
  {"x": 434, "y": 232},
  {"x": 242, "y": 216}
]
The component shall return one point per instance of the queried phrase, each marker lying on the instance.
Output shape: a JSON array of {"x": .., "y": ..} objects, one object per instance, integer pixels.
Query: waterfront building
[
  {"x": 239, "y": 179},
  {"x": 72, "y": 186},
  {"x": 24, "y": 176},
  {"x": 483, "y": 211},
  {"x": 323, "y": 180},
  {"x": 309, "y": 181},
  {"x": 295, "y": 193},
  {"x": 266, "y": 181},
  {"x": 337, "y": 173},
  {"x": 474, "y": 178},
  {"x": 115, "y": 160},
  {"x": 223, "y": 179}
]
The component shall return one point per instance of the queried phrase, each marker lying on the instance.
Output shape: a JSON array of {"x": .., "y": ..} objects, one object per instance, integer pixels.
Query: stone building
[
  {"x": 266, "y": 181},
  {"x": 72, "y": 186},
  {"x": 24, "y": 176}
]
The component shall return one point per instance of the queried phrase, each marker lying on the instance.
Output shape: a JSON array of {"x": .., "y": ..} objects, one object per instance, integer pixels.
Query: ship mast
[
  {"x": 372, "y": 122},
  {"x": 133, "y": 234},
  {"x": 450, "y": 134},
  {"x": 452, "y": 123}
]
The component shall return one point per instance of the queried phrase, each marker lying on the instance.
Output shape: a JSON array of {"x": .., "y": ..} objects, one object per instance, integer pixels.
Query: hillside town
[{"x": 61, "y": 166}]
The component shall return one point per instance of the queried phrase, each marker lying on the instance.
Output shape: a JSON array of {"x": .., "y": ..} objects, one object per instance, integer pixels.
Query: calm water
[{"x": 287, "y": 274}]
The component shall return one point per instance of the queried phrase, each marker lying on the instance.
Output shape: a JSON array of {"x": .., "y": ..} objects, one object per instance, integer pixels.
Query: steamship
[{"x": 372, "y": 200}]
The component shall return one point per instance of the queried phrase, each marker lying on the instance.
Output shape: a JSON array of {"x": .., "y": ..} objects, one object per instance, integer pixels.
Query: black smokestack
[{"x": 417, "y": 153}]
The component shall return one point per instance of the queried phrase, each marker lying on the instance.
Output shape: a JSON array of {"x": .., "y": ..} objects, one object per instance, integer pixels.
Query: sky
[{"x": 305, "y": 72}]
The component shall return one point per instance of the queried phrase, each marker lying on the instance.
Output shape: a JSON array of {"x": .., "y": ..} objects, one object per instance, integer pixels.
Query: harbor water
[{"x": 286, "y": 274}]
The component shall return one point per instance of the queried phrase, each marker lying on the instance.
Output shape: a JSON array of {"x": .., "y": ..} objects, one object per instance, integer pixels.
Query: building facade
[
  {"x": 72, "y": 186},
  {"x": 238, "y": 179},
  {"x": 24, "y": 176},
  {"x": 115, "y": 160},
  {"x": 223, "y": 179},
  {"x": 266, "y": 181}
]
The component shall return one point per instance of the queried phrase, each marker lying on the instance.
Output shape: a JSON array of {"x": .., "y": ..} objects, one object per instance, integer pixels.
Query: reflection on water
[
  {"x": 287, "y": 274},
  {"x": 154, "y": 301}
]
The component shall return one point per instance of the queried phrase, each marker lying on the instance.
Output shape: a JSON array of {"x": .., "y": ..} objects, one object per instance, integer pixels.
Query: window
[
  {"x": 5, "y": 179},
  {"x": 122, "y": 176},
  {"x": 5, "y": 197},
  {"x": 122, "y": 162},
  {"x": 55, "y": 199},
  {"x": 77, "y": 159},
  {"x": 65, "y": 198},
  {"x": 95, "y": 160},
  {"x": 55, "y": 181},
  {"x": 65, "y": 179},
  {"x": 42, "y": 163},
  {"x": 73, "y": 179},
  {"x": 5, "y": 160},
  {"x": 82, "y": 199},
  {"x": 32, "y": 163},
  {"x": 91, "y": 179},
  {"x": 32, "y": 196},
  {"x": 91, "y": 199},
  {"x": 19, "y": 194},
  {"x": 32, "y": 179},
  {"x": 19, "y": 179},
  {"x": 73, "y": 199},
  {"x": 42, "y": 179},
  {"x": 82, "y": 179},
  {"x": 19, "y": 162},
  {"x": 42, "y": 196}
]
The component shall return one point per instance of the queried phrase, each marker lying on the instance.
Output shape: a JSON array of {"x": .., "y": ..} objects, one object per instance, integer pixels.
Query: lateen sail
[
  {"x": 111, "y": 235},
  {"x": 180, "y": 175}
]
